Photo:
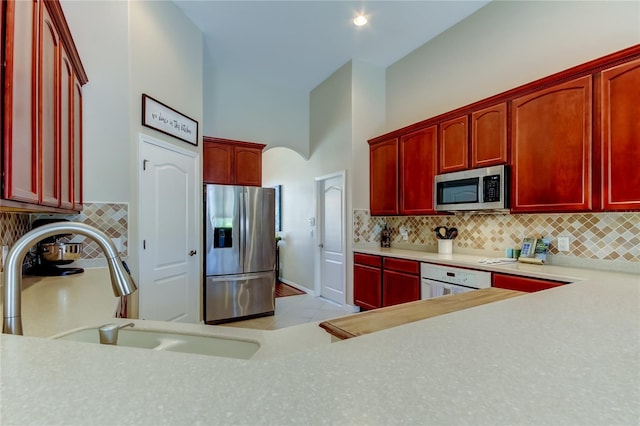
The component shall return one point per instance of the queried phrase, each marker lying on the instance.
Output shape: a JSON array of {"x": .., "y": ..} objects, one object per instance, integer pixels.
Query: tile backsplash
[
  {"x": 597, "y": 236},
  {"x": 111, "y": 218},
  {"x": 12, "y": 227}
]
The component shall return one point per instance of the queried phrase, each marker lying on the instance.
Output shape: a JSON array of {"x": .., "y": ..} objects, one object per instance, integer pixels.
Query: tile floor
[{"x": 293, "y": 310}]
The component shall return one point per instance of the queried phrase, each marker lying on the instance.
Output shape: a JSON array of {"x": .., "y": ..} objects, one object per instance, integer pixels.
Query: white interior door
[
  {"x": 331, "y": 235},
  {"x": 168, "y": 223}
]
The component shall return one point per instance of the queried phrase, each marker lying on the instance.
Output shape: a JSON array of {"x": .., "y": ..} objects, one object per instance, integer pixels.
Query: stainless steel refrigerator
[{"x": 240, "y": 252}]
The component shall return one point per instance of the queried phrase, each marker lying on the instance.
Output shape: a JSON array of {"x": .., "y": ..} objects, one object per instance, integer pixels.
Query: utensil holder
[{"x": 445, "y": 246}]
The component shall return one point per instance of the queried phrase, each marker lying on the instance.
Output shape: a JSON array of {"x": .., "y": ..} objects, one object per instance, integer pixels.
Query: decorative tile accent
[{"x": 605, "y": 236}]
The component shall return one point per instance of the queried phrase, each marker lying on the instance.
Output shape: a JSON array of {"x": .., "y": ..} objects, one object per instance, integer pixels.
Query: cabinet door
[
  {"x": 21, "y": 155},
  {"x": 367, "y": 287},
  {"x": 77, "y": 145},
  {"x": 620, "y": 137},
  {"x": 551, "y": 141},
  {"x": 217, "y": 163},
  {"x": 454, "y": 145},
  {"x": 418, "y": 160},
  {"x": 49, "y": 139},
  {"x": 66, "y": 132},
  {"x": 399, "y": 287},
  {"x": 383, "y": 178},
  {"x": 248, "y": 166},
  {"x": 489, "y": 136},
  {"x": 512, "y": 282}
]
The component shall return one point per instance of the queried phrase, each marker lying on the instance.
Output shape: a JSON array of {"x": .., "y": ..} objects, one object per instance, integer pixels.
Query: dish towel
[{"x": 121, "y": 312}]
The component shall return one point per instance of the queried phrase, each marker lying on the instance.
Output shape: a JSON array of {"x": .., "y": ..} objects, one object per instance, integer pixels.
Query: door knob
[{"x": 192, "y": 253}]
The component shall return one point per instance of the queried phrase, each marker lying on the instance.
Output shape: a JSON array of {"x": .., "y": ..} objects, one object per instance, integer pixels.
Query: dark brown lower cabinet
[
  {"x": 399, "y": 287},
  {"x": 384, "y": 281},
  {"x": 367, "y": 281},
  {"x": 367, "y": 287}
]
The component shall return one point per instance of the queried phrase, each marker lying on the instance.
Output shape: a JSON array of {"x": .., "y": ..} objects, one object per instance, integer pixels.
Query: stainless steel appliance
[
  {"x": 485, "y": 189},
  {"x": 438, "y": 280},
  {"x": 240, "y": 251}
]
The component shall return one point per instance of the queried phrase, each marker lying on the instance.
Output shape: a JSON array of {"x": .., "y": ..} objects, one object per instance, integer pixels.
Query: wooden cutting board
[{"x": 392, "y": 316}]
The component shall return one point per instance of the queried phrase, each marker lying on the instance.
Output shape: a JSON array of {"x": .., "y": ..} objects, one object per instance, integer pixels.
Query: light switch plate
[{"x": 563, "y": 243}]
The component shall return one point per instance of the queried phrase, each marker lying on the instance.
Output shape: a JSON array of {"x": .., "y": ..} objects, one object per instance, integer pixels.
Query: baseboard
[
  {"x": 348, "y": 308},
  {"x": 298, "y": 286},
  {"x": 351, "y": 308}
]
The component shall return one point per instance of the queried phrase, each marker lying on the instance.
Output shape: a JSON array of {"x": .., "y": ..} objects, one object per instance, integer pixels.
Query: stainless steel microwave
[{"x": 485, "y": 189}]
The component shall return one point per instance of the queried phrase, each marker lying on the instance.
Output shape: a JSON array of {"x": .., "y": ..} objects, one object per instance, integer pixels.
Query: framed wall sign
[{"x": 167, "y": 120}]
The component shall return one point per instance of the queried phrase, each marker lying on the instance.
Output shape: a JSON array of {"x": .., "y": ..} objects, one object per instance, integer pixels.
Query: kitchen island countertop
[{"x": 567, "y": 355}]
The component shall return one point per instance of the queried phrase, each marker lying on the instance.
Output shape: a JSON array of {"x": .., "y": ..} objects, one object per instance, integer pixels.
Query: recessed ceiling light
[{"x": 360, "y": 20}]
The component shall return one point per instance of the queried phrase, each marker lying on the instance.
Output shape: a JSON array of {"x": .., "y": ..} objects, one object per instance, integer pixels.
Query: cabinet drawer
[
  {"x": 367, "y": 259},
  {"x": 511, "y": 282},
  {"x": 402, "y": 265}
]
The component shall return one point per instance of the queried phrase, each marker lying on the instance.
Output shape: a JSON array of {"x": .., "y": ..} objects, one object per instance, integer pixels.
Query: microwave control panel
[{"x": 491, "y": 188}]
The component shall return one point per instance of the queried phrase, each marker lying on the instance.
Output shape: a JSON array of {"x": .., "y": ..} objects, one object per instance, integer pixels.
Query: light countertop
[
  {"x": 545, "y": 271},
  {"x": 51, "y": 305},
  {"x": 567, "y": 355},
  {"x": 56, "y": 305}
]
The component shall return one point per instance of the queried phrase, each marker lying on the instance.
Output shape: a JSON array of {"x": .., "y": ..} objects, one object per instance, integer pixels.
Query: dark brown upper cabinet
[{"x": 229, "y": 162}]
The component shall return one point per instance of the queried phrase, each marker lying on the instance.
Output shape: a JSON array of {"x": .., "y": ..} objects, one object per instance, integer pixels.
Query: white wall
[
  {"x": 501, "y": 46},
  {"x": 242, "y": 108},
  {"x": 330, "y": 151},
  {"x": 130, "y": 48},
  {"x": 101, "y": 33},
  {"x": 166, "y": 63},
  {"x": 346, "y": 110},
  {"x": 368, "y": 119},
  {"x": 282, "y": 166}
]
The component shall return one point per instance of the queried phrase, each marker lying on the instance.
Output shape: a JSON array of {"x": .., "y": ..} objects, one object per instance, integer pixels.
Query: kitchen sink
[{"x": 173, "y": 342}]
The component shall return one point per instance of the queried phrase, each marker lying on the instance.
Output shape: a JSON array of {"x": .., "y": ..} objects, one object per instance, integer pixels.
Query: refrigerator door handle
[{"x": 243, "y": 220}]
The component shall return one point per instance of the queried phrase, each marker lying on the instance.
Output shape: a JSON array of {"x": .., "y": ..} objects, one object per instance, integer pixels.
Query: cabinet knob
[{"x": 192, "y": 253}]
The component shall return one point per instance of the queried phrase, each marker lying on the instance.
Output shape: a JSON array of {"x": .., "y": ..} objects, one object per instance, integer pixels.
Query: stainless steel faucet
[
  {"x": 109, "y": 332},
  {"x": 120, "y": 278}
]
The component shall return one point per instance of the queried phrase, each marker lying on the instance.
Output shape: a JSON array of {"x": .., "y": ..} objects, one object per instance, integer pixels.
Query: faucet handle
[{"x": 109, "y": 332}]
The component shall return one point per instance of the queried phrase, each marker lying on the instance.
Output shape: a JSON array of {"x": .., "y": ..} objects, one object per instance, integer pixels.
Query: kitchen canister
[{"x": 445, "y": 246}]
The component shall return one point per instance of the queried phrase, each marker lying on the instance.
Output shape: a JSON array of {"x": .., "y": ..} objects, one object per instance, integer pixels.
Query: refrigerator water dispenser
[{"x": 222, "y": 238}]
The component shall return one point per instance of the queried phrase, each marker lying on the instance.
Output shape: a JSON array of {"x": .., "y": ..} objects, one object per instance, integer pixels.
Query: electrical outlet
[
  {"x": 404, "y": 232},
  {"x": 3, "y": 256},
  {"x": 563, "y": 243}
]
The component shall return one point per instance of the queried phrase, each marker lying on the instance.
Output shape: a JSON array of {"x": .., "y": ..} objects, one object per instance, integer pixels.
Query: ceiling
[{"x": 298, "y": 44}]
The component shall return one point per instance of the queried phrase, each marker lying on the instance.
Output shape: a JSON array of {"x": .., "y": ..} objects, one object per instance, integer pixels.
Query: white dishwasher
[{"x": 439, "y": 280}]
